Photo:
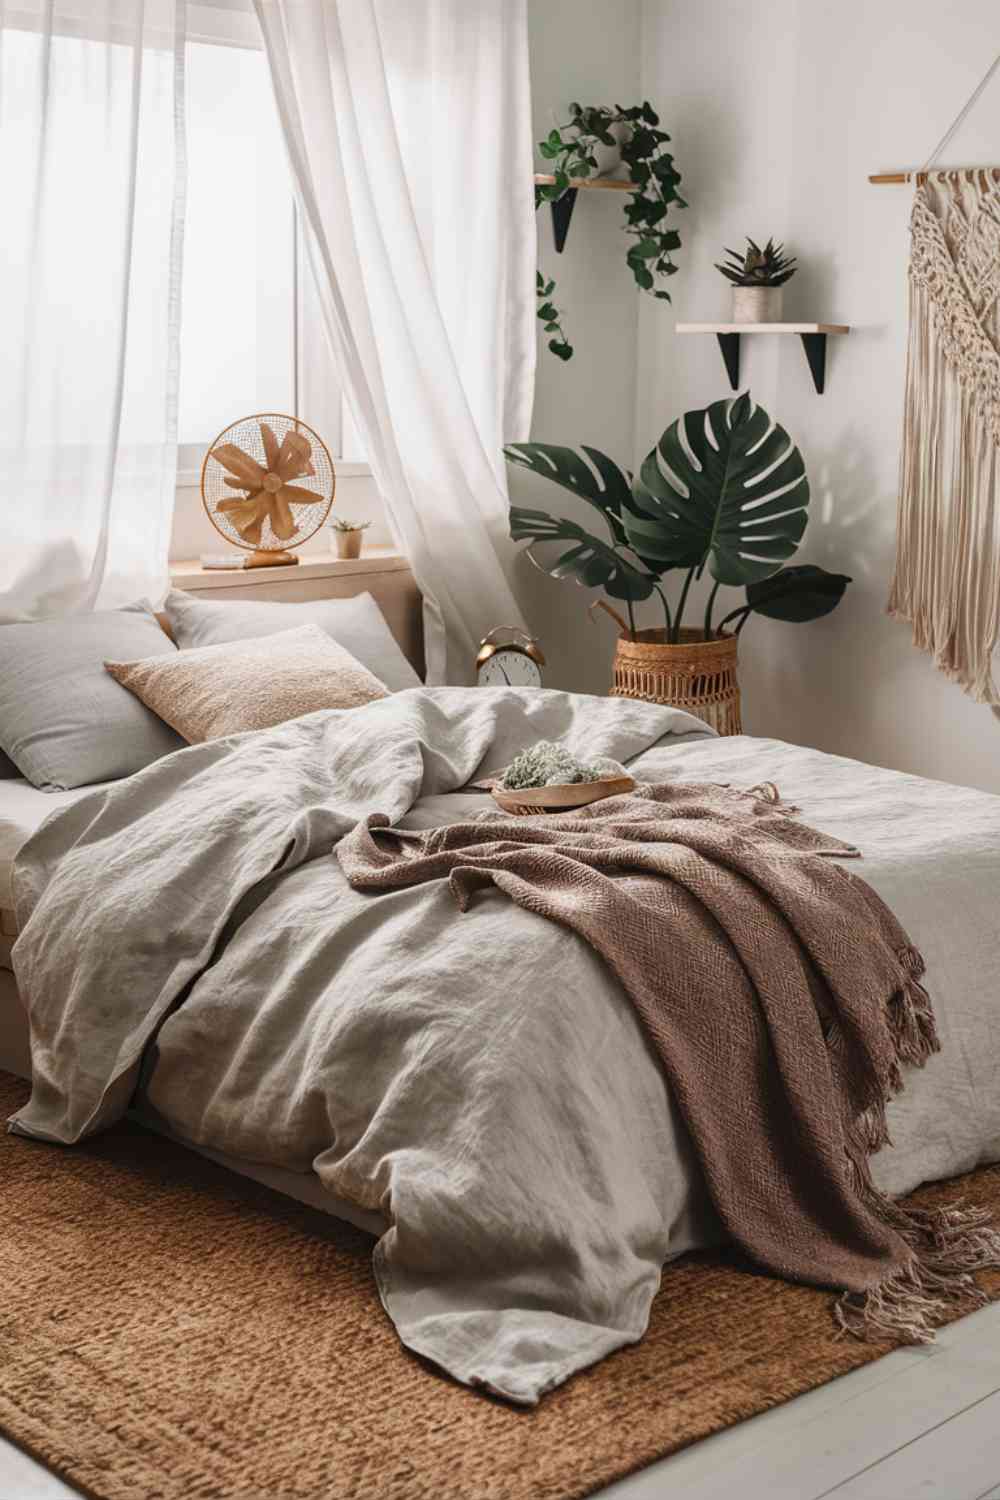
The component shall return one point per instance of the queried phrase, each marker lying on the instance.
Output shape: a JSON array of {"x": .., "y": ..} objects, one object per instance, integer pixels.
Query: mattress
[{"x": 23, "y": 810}]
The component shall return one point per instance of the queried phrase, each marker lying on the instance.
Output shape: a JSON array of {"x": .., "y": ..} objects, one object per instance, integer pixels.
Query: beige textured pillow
[{"x": 216, "y": 690}]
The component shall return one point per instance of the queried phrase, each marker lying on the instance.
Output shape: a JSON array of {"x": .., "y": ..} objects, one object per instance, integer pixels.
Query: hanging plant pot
[
  {"x": 757, "y": 304},
  {"x": 696, "y": 675}
]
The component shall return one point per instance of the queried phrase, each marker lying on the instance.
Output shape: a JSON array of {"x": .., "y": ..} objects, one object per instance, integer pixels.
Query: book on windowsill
[{"x": 223, "y": 562}]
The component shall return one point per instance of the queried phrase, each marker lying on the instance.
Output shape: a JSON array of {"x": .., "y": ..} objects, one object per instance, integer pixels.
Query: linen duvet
[{"x": 478, "y": 1079}]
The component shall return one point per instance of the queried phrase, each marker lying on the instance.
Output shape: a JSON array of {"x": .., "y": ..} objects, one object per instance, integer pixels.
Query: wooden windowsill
[{"x": 191, "y": 574}]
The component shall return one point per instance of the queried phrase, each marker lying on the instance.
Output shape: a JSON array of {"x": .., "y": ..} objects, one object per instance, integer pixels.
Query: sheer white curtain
[
  {"x": 92, "y": 167},
  {"x": 409, "y": 134}
]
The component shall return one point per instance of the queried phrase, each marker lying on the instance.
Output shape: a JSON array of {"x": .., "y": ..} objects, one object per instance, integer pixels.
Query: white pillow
[
  {"x": 356, "y": 624},
  {"x": 63, "y": 722}
]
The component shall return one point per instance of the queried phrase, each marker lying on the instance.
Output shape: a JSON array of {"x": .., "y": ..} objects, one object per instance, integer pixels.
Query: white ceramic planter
[
  {"x": 609, "y": 158},
  {"x": 757, "y": 304}
]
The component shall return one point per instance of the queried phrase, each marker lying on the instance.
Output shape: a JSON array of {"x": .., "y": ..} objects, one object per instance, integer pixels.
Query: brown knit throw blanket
[{"x": 782, "y": 997}]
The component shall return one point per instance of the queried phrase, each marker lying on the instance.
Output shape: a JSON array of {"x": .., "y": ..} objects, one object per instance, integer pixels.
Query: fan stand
[{"x": 271, "y": 560}]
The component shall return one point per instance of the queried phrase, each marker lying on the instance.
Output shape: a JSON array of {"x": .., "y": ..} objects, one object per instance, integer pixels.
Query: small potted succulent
[
  {"x": 347, "y": 536},
  {"x": 758, "y": 276}
]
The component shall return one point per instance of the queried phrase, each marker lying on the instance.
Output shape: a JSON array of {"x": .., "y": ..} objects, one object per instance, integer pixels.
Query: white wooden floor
[{"x": 921, "y": 1424}]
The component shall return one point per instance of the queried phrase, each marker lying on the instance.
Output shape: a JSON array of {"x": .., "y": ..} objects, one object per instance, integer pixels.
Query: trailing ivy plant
[
  {"x": 643, "y": 147},
  {"x": 551, "y": 317},
  {"x": 686, "y": 510}
]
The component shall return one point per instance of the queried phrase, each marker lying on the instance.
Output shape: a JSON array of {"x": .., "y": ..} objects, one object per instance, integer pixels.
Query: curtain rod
[{"x": 881, "y": 178}]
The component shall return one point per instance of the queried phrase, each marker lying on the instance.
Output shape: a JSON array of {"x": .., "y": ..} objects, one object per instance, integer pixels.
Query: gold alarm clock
[{"x": 508, "y": 657}]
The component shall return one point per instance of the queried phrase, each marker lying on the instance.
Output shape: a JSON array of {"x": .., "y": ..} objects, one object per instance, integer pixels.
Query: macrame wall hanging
[{"x": 947, "y": 576}]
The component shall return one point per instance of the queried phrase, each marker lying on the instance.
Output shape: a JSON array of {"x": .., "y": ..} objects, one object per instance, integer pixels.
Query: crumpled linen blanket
[{"x": 782, "y": 998}]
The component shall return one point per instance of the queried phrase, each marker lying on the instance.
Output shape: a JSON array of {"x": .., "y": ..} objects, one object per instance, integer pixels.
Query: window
[{"x": 250, "y": 335}]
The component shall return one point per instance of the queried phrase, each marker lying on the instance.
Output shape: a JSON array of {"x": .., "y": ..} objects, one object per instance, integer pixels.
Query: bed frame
[{"x": 14, "y": 1054}]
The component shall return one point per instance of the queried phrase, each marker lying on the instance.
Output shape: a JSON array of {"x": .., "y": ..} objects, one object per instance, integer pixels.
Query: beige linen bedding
[{"x": 484, "y": 1085}]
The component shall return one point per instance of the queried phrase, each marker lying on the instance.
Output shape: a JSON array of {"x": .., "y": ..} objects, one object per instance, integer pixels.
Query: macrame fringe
[
  {"x": 946, "y": 583},
  {"x": 947, "y": 1245}
]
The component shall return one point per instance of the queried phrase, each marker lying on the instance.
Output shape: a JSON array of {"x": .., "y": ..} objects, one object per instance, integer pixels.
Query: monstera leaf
[
  {"x": 724, "y": 489},
  {"x": 571, "y": 552},
  {"x": 797, "y": 594},
  {"x": 610, "y": 494}
]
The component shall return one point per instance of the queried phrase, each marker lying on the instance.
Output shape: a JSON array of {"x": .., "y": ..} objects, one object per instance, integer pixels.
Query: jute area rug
[{"x": 169, "y": 1331}]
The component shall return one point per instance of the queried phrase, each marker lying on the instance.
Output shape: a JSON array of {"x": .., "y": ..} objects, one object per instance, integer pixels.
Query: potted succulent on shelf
[
  {"x": 688, "y": 510},
  {"x": 758, "y": 276},
  {"x": 347, "y": 536}
]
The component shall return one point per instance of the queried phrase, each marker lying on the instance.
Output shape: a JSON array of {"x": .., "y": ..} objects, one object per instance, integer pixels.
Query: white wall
[{"x": 778, "y": 118}]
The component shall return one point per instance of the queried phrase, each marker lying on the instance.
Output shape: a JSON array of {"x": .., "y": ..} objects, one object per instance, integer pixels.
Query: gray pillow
[
  {"x": 64, "y": 721},
  {"x": 356, "y": 624}
]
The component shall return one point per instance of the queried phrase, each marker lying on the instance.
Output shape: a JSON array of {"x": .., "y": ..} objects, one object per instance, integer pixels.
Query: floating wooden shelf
[
  {"x": 562, "y": 207},
  {"x": 813, "y": 336},
  {"x": 618, "y": 184}
]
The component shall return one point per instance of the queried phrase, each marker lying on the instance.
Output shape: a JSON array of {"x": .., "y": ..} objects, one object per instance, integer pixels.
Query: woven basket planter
[{"x": 696, "y": 675}]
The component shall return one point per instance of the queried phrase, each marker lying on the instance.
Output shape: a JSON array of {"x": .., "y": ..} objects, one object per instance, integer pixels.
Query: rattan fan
[{"x": 267, "y": 484}]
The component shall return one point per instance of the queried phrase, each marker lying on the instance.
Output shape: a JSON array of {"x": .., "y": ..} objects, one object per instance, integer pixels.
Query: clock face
[{"x": 508, "y": 667}]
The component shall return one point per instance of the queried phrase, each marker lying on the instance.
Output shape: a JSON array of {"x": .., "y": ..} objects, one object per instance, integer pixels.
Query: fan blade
[
  {"x": 247, "y": 515},
  {"x": 294, "y": 457},
  {"x": 301, "y": 496},
  {"x": 282, "y": 521},
  {"x": 271, "y": 448},
  {"x": 233, "y": 504},
  {"x": 240, "y": 464}
]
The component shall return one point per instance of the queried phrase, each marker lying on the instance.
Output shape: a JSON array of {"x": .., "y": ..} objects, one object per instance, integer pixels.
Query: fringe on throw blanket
[
  {"x": 947, "y": 576},
  {"x": 947, "y": 1245}
]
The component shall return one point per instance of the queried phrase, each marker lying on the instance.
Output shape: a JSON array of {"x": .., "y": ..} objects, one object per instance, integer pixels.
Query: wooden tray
[{"x": 538, "y": 799}]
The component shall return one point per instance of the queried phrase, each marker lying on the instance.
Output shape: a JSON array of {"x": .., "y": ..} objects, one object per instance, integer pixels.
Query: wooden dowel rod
[{"x": 880, "y": 178}]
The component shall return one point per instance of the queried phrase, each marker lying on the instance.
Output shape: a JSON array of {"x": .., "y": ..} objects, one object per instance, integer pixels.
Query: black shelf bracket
[
  {"x": 814, "y": 345},
  {"x": 729, "y": 343},
  {"x": 562, "y": 212}
]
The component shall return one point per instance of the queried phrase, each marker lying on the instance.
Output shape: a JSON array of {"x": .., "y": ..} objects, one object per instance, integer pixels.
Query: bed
[{"x": 473, "y": 1088}]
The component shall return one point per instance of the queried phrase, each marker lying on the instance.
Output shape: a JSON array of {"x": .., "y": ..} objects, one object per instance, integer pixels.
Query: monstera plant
[{"x": 724, "y": 491}]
